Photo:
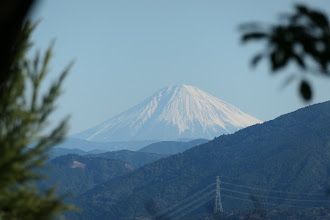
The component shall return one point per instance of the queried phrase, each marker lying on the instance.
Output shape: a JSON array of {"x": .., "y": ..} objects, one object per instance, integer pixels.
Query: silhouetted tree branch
[{"x": 302, "y": 38}]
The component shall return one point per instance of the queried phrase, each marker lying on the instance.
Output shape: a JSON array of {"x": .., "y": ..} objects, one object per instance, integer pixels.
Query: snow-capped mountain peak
[{"x": 171, "y": 113}]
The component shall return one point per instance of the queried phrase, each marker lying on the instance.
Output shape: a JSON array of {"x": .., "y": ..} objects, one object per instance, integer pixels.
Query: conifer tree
[{"x": 24, "y": 114}]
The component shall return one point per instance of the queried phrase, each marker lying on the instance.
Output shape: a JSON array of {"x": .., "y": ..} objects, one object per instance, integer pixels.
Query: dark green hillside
[
  {"x": 136, "y": 159},
  {"x": 172, "y": 147},
  {"x": 76, "y": 174},
  {"x": 290, "y": 154}
]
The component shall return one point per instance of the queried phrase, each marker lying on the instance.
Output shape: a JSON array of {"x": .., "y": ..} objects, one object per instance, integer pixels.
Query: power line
[
  {"x": 183, "y": 201},
  {"x": 192, "y": 209},
  {"x": 193, "y": 202},
  {"x": 189, "y": 204},
  {"x": 277, "y": 191},
  {"x": 268, "y": 203},
  {"x": 270, "y": 197}
]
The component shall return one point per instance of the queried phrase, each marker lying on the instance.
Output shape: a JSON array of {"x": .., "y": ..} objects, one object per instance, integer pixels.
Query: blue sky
[{"x": 126, "y": 50}]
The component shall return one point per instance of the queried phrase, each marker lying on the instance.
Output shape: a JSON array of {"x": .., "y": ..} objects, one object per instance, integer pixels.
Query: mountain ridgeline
[
  {"x": 75, "y": 171},
  {"x": 172, "y": 147},
  {"x": 277, "y": 161},
  {"x": 135, "y": 159},
  {"x": 87, "y": 146},
  {"x": 170, "y": 114},
  {"x": 76, "y": 174}
]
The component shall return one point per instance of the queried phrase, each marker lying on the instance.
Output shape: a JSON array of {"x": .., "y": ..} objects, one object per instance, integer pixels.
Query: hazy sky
[{"x": 126, "y": 50}]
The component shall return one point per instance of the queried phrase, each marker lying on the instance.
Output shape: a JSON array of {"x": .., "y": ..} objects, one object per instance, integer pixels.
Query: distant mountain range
[
  {"x": 172, "y": 147},
  {"x": 83, "y": 147},
  {"x": 135, "y": 159},
  {"x": 170, "y": 114},
  {"x": 77, "y": 171},
  {"x": 87, "y": 146},
  {"x": 76, "y": 174},
  {"x": 284, "y": 162},
  {"x": 59, "y": 151}
]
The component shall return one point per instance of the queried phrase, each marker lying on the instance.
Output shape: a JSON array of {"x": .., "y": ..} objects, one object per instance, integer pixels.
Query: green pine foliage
[{"x": 23, "y": 118}]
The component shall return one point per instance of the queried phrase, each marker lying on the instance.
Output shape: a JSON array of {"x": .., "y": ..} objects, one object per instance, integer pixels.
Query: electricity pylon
[{"x": 218, "y": 204}]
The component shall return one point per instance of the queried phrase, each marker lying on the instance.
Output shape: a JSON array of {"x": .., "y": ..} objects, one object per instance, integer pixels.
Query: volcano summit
[{"x": 172, "y": 113}]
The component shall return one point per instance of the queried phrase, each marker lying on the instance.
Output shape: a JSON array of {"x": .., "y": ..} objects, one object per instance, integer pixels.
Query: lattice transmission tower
[{"x": 218, "y": 204}]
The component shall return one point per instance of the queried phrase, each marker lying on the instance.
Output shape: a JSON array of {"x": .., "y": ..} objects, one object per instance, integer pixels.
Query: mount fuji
[{"x": 172, "y": 113}]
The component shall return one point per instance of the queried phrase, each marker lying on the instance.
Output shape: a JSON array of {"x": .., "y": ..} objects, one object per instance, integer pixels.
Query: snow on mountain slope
[{"x": 171, "y": 113}]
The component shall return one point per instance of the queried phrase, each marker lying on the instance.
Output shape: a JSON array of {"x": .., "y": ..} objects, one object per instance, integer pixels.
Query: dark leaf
[
  {"x": 302, "y": 9},
  {"x": 299, "y": 60},
  {"x": 255, "y": 60},
  {"x": 254, "y": 36},
  {"x": 305, "y": 90},
  {"x": 278, "y": 59},
  {"x": 319, "y": 19}
]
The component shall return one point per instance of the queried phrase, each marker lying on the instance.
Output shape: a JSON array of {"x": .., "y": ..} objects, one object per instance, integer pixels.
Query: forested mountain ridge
[
  {"x": 134, "y": 158},
  {"x": 59, "y": 151},
  {"x": 289, "y": 154},
  {"x": 76, "y": 174},
  {"x": 172, "y": 147}
]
